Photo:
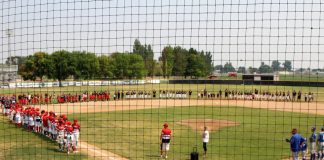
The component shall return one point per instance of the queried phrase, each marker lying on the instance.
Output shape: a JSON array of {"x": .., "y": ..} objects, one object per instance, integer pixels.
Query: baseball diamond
[
  {"x": 129, "y": 117},
  {"x": 161, "y": 80}
]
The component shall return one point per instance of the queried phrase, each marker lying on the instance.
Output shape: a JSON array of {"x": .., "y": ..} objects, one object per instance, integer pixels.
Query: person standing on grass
[
  {"x": 312, "y": 144},
  {"x": 205, "y": 138},
  {"x": 165, "y": 139},
  {"x": 296, "y": 141},
  {"x": 320, "y": 144},
  {"x": 76, "y": 132}
]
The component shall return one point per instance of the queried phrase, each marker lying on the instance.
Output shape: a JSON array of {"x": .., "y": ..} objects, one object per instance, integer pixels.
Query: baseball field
[{"x": 129, "y": 129}]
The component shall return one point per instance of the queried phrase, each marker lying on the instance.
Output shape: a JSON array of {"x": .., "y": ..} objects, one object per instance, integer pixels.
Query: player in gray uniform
[{"x": 312, "y": 144}]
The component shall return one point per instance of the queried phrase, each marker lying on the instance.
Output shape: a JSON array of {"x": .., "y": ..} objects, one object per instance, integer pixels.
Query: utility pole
[{"x": 9, "y": 32}]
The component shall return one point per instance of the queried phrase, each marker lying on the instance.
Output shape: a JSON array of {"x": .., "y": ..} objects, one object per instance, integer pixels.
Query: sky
[{"x": 243, "y": 32}]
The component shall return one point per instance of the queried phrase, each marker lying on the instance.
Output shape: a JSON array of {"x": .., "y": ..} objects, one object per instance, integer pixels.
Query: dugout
[{"x": 260, "y": 77}]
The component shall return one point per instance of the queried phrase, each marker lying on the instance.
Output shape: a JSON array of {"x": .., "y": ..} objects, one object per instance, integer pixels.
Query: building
[
  {"x": 260, "y": 77},
  {"x": 8, "y": 73}
]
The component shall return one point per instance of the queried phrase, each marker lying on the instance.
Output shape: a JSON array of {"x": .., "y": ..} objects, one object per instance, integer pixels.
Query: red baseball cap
[
  {"x": 75, "y": 120},
  {"x": 165, "y": 125}
]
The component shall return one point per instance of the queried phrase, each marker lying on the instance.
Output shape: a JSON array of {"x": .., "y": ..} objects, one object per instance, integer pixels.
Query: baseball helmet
[
  {"x": 165, "y": 125},
  {"x": 64, "y": 116}
]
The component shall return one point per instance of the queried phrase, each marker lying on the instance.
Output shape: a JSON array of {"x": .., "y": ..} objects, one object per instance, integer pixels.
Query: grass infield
[{"x": 135, "y": 134}]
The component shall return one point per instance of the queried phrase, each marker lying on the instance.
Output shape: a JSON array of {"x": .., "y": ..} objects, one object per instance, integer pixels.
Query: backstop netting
[{"x": 156, "y": 79}]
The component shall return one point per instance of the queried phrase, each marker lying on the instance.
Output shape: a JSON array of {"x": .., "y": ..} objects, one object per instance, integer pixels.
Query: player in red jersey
[
  {"x": 60, "y": 128},
  {"x": 165, "y": 138},
  {"x": 44, "y": 122},
  {"x": 69, "y": 137},
  {"x": 76, "y": 132}
]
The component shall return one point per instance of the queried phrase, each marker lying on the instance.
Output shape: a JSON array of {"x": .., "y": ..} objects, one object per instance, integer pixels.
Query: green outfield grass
[
  {"x": 18, "y": 144},
  {"x": 298, "y": 77},
  {"x": 135, "y": 134}
]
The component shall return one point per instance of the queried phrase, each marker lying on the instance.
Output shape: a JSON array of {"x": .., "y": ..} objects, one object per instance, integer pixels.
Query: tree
[
  {"x": 219, "y": 68},
  {"x": 275, "y": 65},
  {"x": 252, "y": 70},
  {"x": 83, "y": 65},
  {"x": 208, "y": 63},
  {"x": 27, "y": 70},
  {"x": 287, "y": 65},
  {"x": 42, "y": 64},
  {"x": 157, "y": 69},
  {"x": 228, "y": 67},
  {"x": 195, "y": 66},
  {"x": 136, "y": 66},
  {"x": 120, "y": 62},
  {"x": 137, "y": 47},
  {"x": 61, "y": 69},
  {"x": 146, "y": 52},
  {"x": 241, "y": 69},
  {"x": 35, "y": 66},
  {"x": 88, "y": 65},
  {"x": 128, "y": 65},
  {"x": 167, "y": 61},
  {"x": 180, "y": 56},
  {"x": 105, "y": 66},
  {"x": 149, "y": 60},
  {"x": 264, "y": 68}
]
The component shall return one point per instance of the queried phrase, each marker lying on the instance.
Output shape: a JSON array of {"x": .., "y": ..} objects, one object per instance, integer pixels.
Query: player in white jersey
[
  {"x": 18, "y": 119},
  {"x": 205, "y": 137},
  {"x": 38, "y": 123},
  {"x": 60, "y": 135},
  {"x": 70, "y": 146},
  {"x": 26, "y": 119},
  {"x": 49, "y": 126},
  {"x": 320, "y": 142},
  {"x": 76, "y": 132},
  {"x": 312, "y": 144},
  {"x": 31, "y": 122},
  {"x": 54, "y": 131}
]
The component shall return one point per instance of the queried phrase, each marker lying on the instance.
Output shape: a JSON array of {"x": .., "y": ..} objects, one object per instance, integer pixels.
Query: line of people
[
  {"x": 175, "y": 94},
  {"x": 257, "y": 95},
  {"x": 56, "y": 127},
  {"x": 298, "y": 144},
  {"x": 38, "y": 99}
]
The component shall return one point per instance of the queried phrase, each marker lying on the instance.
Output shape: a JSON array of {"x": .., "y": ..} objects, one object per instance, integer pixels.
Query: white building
[{"x": 8, "y": 73}]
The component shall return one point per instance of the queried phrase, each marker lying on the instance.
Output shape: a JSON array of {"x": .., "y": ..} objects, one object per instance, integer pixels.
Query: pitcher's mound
[{"x": 211, "y": 124}]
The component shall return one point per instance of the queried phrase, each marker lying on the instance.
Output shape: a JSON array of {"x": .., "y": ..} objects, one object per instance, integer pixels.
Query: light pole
[{"x": 9, "y": 32}]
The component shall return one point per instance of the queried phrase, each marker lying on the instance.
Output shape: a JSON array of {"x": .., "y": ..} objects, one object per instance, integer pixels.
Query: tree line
[
  {"x": 82, "y": 65},
  {"x": 174, "y": 61},
  {"x": 263, "y": 68}
]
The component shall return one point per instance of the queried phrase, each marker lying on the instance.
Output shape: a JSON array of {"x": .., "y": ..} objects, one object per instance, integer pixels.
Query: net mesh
[{"x": 86, "y": 79}]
